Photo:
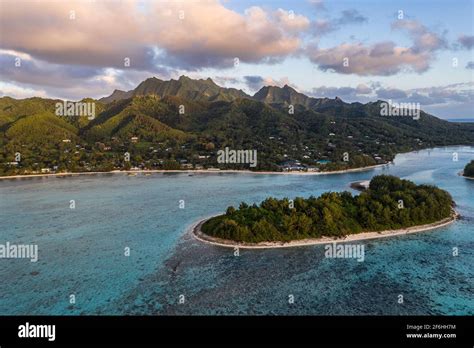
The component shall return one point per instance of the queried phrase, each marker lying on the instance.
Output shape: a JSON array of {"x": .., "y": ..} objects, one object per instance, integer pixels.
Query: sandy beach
[
  {"x": 195, "y": 229},
  {"x": 461, "y": 173},
  {"x": 200, "y": 171},
  {"x": 360, "y": 185}
]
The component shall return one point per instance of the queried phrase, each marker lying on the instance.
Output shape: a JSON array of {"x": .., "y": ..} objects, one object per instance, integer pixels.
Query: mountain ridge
[
  {"x": 202, "y": 90},
  {"x": 208, "y": 90}
]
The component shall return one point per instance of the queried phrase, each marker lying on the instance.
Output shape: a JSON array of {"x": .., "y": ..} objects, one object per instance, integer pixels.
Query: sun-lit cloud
[
  {"x": 13, "y": 91},
  {"x": 256, "y": 82},
  {"x": 188, "y": 34},
  {"x": 292, "y": 22},
  {"x": 379, "y": 59},
  {"x": 424, "y": 40},
  {"x": 220, "y": 35},
  {"x": 382, "y": 58}
]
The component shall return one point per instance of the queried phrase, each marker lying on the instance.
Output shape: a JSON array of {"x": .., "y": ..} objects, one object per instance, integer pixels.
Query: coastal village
[{"x": 166, "y": 156}]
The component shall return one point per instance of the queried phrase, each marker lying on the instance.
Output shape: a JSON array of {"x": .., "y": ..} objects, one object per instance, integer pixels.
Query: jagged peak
[
  {"x": 153, "y": 78},
  {"x": 202, "y": 89},
  {"x": 276, "y": 88}
]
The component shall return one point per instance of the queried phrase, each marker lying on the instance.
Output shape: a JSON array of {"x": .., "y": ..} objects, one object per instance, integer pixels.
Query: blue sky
[{"x": 300, "y": 43}]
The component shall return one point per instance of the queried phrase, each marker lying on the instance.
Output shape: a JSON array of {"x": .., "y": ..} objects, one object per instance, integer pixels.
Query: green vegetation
[
  {"x": 183, "y": 123},
  {"x": 469, "y": 169},
  {"x": 388, "y": 203}
]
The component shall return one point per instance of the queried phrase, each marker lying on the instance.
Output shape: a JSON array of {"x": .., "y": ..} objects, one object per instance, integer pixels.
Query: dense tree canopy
[
  {"x": 469, "y": 169},
  {"x": 388, "y": 203}
]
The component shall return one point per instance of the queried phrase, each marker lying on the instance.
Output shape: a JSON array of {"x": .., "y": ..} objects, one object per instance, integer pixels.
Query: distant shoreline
[
  {"x": 195, "y": 229},
  {"x": 194, "y": 171}
]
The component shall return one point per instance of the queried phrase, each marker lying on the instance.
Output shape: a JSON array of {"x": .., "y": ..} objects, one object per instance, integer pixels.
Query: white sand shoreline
[
  {"x": 195, "y": 229},
  {"x": 198, "y": 171},
  {"x": 461, "y": 173}
]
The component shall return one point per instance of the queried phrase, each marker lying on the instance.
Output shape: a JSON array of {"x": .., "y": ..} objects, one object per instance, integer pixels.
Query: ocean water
[
  {"x": 81, "y": 250},
  {"x": 462, "y": 120}
]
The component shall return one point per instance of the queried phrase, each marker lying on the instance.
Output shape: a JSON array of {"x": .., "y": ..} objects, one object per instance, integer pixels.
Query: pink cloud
[
  {"x": 186, "y": 34},
  {"x": 383, "y": 58}
]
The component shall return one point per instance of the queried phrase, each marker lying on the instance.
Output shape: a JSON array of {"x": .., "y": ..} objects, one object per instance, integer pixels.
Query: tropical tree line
[
  {"x": 388, "y": 203},
  {"x": 469, "y": 169}
]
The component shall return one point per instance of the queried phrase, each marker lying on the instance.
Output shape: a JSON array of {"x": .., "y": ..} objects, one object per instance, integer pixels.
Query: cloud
[
  {"x": 332, "y": 92},
  {"x": 391, "y": 93},
  {"x": 291, "y": 22},
  {"x": 46, "y": 31},
  {"x": 454, "y": 94},
  {"x": 256, "y": 82},
  {"x": 219, "y": 35},
  {"x": 68, "y": 81},
  {"x": 423, "y": 39},
  {"x": 466, "y": 41},
  {"x": 351, "y": 17},
  {"x": 323, "y": 26},
  {"x": 319, "y": 4},
  {"x": 189, "y": 35},
  {"x": 269, "y": 81},
  {"x": 416, "y": 97},
  {"x": 64, "y": 81},
  {"x": 362, "y": 93},
  {"x": 458, "y": 93},
  {"x": 382, "y": 58},
  {"x": 363, "y": 89},
  {"x": 17, "y": 92},
  {"x": 379, "y": 59},
  {"x": 454, "y": 100},
  {"x": 41, "y": 73},
  {"x": 226, "y": 80},
  {"x": 470, "y": 65}
]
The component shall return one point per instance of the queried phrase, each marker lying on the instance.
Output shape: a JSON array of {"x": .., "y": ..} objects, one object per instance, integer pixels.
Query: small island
[
  {"x": 389, "y": 206},
  {"x": 469, "y": 170}
]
